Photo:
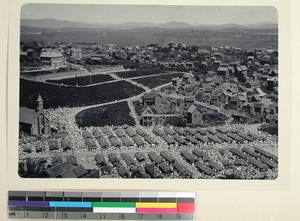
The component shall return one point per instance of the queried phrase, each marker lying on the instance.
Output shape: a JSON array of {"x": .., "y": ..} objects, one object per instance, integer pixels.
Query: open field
[
  {"x": 155, "y": 81},
  {"x": 249, "y": 38},
  {"x": 113, "y": 114},
  {"x": 138, "y": 73},
  {"x": 83, "y": 80},
  {"x": 72, "y": 96}
]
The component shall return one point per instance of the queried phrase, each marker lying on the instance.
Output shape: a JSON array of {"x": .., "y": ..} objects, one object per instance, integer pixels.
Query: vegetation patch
[
  {"x": 83, "y": 80},
  {"x": 271, "y": 128},
  {"x": 139, "y": 73},
  {"x": 70, "y": 96},
  {"x": 174, "y": 121},
  {"x": 155, "y": 81},
  {"x": 112, "y": 114}
]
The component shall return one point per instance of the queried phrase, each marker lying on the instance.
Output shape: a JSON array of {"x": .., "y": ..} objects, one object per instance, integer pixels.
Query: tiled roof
[
  {"x": 223, "y": 69},
  {"x": 192, "y": 109},
  {"x": 51, "y": 54},
  {"x": 26, "y": 115}
]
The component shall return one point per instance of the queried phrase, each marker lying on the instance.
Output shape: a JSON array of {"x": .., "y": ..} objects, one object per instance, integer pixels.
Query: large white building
[
  {"x": 76, "y": 53},
  {"x": 52, "y": 58}
]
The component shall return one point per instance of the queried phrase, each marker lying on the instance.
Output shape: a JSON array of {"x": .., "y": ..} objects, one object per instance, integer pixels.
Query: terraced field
[
  {"x": 72, "y": 96},
  {"x": 113, "y": 114},
  {"x": 139, "y": 73},
  {"x": 83, "y": 80},
  {"x": 155, "y": 81}
]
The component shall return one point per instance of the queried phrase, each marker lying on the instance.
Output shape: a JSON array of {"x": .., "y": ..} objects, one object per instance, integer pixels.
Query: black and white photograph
[{"x": 148, "y": 92}]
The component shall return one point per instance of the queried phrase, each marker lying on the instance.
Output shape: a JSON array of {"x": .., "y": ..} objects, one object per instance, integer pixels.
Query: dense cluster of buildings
[
  {"x": 172, "y": 56},
  {"x": 242, "y": 89},
  {"x": 43, "y": 56},
  {"x": 229, "y": 78},
  {"x": 218, "y": 86}
]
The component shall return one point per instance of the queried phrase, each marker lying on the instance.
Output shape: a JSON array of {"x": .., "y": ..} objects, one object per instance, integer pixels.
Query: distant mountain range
[{"x": 59, "y": 24}]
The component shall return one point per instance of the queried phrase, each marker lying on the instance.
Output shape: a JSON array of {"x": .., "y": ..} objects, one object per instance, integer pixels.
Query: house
[
  {"x": 255, "y": 76},
  {"x": 204, "y": 63},
  {"x": 194, "y": 116},
  {"x": 76, "y": 172},
  {"x": 246, "y": 107},
  {"x": 224, "y": 97},
  {"x": 176, "y": 82},
  {"x": 206, "y": 96},
  {"x": 266, "y": 103},
  {"x": 147, "y": 117},
  {"x": 273, "y": 108},
  {"x": 256, "y": 98},
  {"x": 173, "y": 105},
  {"x": 217, "y": 63},
  {"x": 52, "y": 59},
  {"x": 218, "y": 56},
  {"x": 257, "y": 108},
  {"x": 250, "y": 58},
  {"x": 23, "y": 56},
  {"x": 76, "y": 53},
  {"x": 252, "y": 84},
  {"x": 34, "y": 121},
  {"x": 215, "y": 99},
  {"x": 233, "y": 102},
  {"x": 188, "y": 90},
  {"x": 257, "y": 64},
  {"x": 181, "y": 90},
  {"x": 188, "y": 101},
  {"x": 223, "y": 71},
  {"x": 189, "y": 65},
  {"x": 181, "y": 103},
  {"x": 152, "y": 99},
  {"x": 271, "y": 82},
  {"x": 224, "y": 64},
  {"x": 242, "y": 70},
  {"x": 234, "y": 64},
  {"x": 217, "y": 81},
  {"x": 273, "y": 73},
  {"x": 259, "y": 92},
  {"x": 242, "y": 99},
  {"x": 199, "y": 96},
  {"x": 32, "y": 54},
  {"x": 57, "y": 169},
  {"x": 187, "y": 77}
]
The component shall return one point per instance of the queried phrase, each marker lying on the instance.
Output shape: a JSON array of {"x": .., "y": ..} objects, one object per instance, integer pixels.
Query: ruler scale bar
[{"x": 101, "y": 205}]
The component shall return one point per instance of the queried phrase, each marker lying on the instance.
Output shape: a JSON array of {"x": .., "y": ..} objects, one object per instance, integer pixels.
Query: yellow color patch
[{"x": 156, "y": 205}]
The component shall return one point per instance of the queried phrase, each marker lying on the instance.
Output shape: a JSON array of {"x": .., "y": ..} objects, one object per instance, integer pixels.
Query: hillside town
[{"x": 156, "y": 111}]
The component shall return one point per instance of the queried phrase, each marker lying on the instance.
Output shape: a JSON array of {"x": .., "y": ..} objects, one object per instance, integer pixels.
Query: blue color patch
[{"x": 71, "y": 204}]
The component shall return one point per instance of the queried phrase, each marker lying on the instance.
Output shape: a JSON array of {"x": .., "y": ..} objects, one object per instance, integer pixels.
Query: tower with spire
[
  {"x": 34, "y": 121},
  {"x": 40, "y": 108}
]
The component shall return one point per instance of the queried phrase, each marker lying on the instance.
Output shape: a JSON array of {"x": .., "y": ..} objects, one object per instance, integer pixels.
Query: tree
[{"x": 33, "y": 169}]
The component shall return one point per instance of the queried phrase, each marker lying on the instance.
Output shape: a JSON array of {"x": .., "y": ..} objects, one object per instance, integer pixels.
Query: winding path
[{"x": 72, "y": 112}]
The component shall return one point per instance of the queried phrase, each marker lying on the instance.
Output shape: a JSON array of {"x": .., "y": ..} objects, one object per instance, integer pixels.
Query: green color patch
[{"x": 114, "y": 204}]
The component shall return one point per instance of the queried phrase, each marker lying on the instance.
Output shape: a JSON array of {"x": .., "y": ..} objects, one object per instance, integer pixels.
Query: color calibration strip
[{"x": 101, "y": 205}]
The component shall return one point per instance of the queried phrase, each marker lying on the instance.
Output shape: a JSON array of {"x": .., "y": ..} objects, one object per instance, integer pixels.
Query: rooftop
[{"x": 51, "y": 54}]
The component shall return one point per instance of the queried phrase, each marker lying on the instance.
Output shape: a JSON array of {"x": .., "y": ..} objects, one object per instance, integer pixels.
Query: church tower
[{"x": 40, "y": 107}]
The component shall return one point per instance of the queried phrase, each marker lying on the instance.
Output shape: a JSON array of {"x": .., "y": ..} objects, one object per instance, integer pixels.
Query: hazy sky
[{"x": 155, "y": 14}]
